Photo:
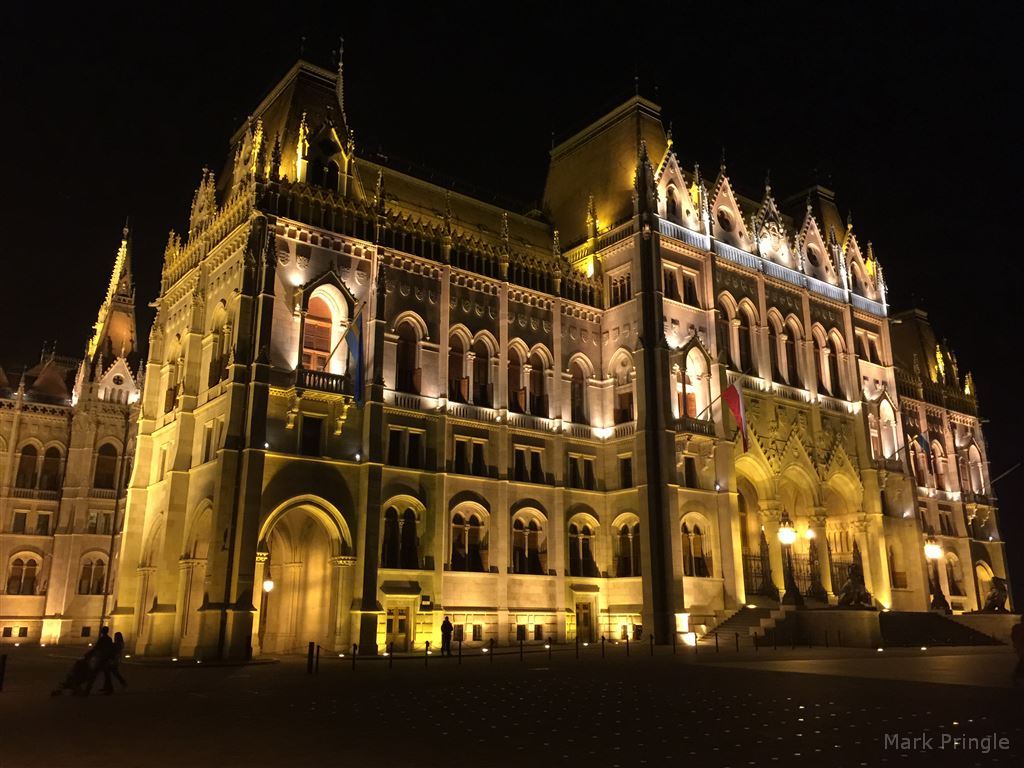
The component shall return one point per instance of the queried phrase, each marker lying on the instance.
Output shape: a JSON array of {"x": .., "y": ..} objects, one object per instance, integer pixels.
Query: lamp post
[
  {"x": 787, "y": 535},
  {"x": 268, "y": 587},
  {"x": 933, "y": 553}
]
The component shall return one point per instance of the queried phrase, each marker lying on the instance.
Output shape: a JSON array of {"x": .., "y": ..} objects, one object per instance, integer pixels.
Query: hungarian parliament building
[{"x": 368, "y": 402}]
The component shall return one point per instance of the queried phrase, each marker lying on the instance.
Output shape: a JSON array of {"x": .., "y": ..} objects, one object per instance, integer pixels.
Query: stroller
[{"x": 78, "y": 676}]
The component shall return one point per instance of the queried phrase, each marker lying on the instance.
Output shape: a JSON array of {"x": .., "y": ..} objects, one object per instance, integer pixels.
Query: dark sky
[{"x": 910, "y": 114}]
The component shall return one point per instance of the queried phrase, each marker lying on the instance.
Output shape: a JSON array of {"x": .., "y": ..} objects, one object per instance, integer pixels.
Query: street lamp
[
  {"x": 268, "y": 584},
  {"x": 787, "y": 535},
  {"x": 933, "y": 553}
]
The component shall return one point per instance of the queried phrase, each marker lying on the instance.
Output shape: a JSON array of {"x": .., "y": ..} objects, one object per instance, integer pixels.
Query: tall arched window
[
  {"x": 316, "y": 335},
  {"x": 696, "y": 554},
  {"x": 106, "y": 467},
  {"x": 745, "y": 340},
  {"x": 919, "y": 465},
  {"x": 390, "y": 551},
  {"x": 458, "y": 381},
  {"x": 887, "y": 426},
  {"x": 516, "y": 390},
  {"x": 696, "y": 392},
  {"x": 49, "y": 478},
  {"x": 538, "y": 385},
  {"x": 793, "y": 337},
  {"x": 578, "y": 394},
  {"x": 21, "y": 576},
  {"x": 939, "y": 466},
  {"x": 467, "y": 543},
  {"x": 483, "y": 391},
  {"x": 977, "y": 475},
  {"x": 91, "y": 579},
  {"x": 954, "y": 575},
  {"x": 627, "y": 550},
  {"x": 527, "y": 555},
  {"x": 581, "y": 551},
  {"x": 723, "y": 331},
  {"x": 774, "y": 342},
  {"x": 835, "y": 385},
  {"x": 820, "y": 346},
  {"x": 409, "y": 555},
  {"x": 407, "y": 370},
  {"x": 671, "y": 205},
  {"x": 26, "y": 477},
  {"x": 622, "y": 372}
]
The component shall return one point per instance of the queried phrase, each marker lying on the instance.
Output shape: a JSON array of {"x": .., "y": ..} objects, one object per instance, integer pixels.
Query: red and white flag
[{"x": 733, "y": 398}]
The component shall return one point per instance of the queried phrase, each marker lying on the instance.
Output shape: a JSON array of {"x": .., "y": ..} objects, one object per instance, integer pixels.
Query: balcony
[
  {"x": 695, "y": 426},
  {"x": 102, "y": 493},
  {"x": 321, "y": 381},
  {"x": 688, "y": 236}
]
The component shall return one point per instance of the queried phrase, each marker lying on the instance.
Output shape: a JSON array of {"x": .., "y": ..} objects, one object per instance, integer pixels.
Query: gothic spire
[{"x": 114, "y": 330}]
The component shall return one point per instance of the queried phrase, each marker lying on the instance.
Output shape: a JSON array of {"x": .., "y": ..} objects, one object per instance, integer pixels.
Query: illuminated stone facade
[
  {"x": 371, "y": 402},
  {"x": 65, "y": 424}
]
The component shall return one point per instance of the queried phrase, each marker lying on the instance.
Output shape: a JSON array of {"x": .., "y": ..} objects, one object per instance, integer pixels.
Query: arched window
[
  {"x": 458, "y": 381},
  {"x": 887, "y": 425},
  {"x": 696, "y": 392},
  {"x": 49, "y": 478},
  {"x": 516, "y": 390},
  {"x": 723, "y": 330},
  {"x": 483, "y": 392},
  {"x": 390, "y": 551},
  {"x": 106, "y": 467},
  {"x": 316, "y": 335},
  {"x": 538, "y": 385},
  {"x": 834, "y": 382},
  {"x": 919, "y": 465},
  {"x": 407, "y": 370},
  {"x": 875, "y": 436},
  {"x": 409, "y": 556},
  {"x": 26, "y": 477},
  {"x": 696, "y": 553},
  {"x": 219, "y": 348},
  {"x": 578, "y": 394},
  {"x": 21, "y": 576},
  {"x": 91, "y": 579},
  {"x": 671, "y": 205},
  {"x": 977, "y": 476},
  {"x": 745, "y": 340},
  {"x": 954, "y": 575},
  {"x": 467, "y": 543},
  {"x": 627, "y": 550},
  {"x": 774, "y": 343},
  {"x": 622, "y": 372},
  {"x": 581, "y": 551},
  {"x": 820, "y": 346},
  {"x": 331, "y": 174},
  {"x": 793, "y": 336},
  {"x": 939, "y": 466},
  {"x": 527, "y": 556}
]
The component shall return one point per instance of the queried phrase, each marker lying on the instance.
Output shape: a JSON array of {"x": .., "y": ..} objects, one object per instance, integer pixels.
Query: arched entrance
[{"x": 303, "y": 580}]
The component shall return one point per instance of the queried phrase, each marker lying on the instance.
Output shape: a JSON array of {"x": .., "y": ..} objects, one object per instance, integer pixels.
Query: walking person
[
  {"x": 99, "y": 661},
  {"x": 446, "y": 637},
  {"x": 1017, "y": 638},
  {"x": 115, "y": 660}
]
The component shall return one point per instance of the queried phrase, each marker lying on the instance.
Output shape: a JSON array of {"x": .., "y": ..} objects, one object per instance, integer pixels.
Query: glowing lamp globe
[
  {"x": 809, "y": 534},
  {"x": 268, "y": 585},
  {"x": 933, "y": 550},
  {"x": 787, "y": 534}
]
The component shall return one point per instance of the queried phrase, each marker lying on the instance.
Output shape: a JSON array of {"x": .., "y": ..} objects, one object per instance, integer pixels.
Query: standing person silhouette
[
  {"x": 446, "y": 637},
  {"x": 99, "y": 661}
]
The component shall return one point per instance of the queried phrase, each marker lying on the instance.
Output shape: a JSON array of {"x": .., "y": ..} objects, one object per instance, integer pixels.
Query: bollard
[
  {"x": 491, "y": 644},
  {"x": 460, "y": 651},
  {"x": 775, "y": 640},
  {"x": 737, "y": 642},
  {"x": 520, "y": 649},
  {"x": 652, "y": 643},
  {"x": 317, "y": 665},
  {"x": 839, "y": 637},
  {"x": 426, "y": 653},
  {"x": 602, "y": 646},
  {"x": 3, "y": 669},
  {"x": 792, "y": 639},
  {"x": 550, "y": 643},
  {"x": 391, "y": 655},
  {"x": 578, "y": 646},
  {"x": 309, "y": 659},
  {"x": 627, "y": 646},
  {"x": 694, "y": 645},
  {"x": 355, "y": 649},
  {"x": 755, "y": 643},
  {"x": 826, "y": 638},
  {"x": 716, "y": 642},
  {"x": 674, "y": 640}
]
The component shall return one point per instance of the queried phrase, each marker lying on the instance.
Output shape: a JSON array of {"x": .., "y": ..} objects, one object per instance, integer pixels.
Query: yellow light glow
[
  {"x": 940, "y": 362},
  {"x": 690, "y": 639},
  {"x": 933, "y": 550},
  {"x": 268, "y": 585},
  {"x": 787, "y": 534},
  {"x": 809, "y": 534}
]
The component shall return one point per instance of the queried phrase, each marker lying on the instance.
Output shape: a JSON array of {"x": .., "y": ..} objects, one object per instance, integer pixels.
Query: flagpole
[{"x": 359, "y": 311}]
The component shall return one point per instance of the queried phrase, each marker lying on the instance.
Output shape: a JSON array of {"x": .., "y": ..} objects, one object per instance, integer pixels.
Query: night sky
[{"x": 909, "y": 114}]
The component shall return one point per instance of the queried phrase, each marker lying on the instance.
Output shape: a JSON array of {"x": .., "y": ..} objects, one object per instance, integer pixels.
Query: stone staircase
[
  {"x": 910, "y": 628},
  {"x": 748, "y": 622}
]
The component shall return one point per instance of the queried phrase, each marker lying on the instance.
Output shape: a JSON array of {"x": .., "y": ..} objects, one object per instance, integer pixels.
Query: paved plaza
[{"x": 715, "y": 710}]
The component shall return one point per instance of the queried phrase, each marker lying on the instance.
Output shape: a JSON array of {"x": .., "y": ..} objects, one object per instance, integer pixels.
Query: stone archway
[{"x": 302, "y": 556}]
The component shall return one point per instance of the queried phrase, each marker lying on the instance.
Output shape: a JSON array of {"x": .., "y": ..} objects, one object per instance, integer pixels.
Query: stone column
[
  {"x": 341, "y": 600},
  {"x": 770, "y": 513},
  {"x": 817, "y": 522},
  {"x": 860, "y": 533}
]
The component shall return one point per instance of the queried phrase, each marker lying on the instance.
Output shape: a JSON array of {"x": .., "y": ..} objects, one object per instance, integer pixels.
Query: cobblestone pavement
[{"x": 616, "y": 711}]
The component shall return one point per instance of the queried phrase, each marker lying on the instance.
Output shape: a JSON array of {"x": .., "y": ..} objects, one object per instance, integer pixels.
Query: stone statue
[
  {"x": 995, "y": 601},
  {"x": 854, "y": 593}
]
